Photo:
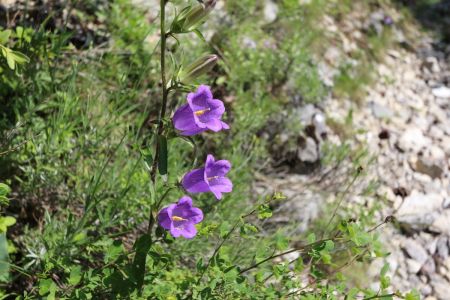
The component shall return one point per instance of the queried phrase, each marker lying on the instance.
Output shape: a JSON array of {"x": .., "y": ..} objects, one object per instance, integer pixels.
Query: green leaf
[
  {"x": 199, "y": 34},
  {"x": 4, "y": 36},
  {"x": 10, "y": 60},
  {"x": 351, "y": 295},
  {"x": 47, "y": 286},
  {"x": 162, "y": 159},
  {"x": 281, "y": 242},
  {"x": 384, "y": 269},
  {"x": 385, "y": 282},
  {"x": 299, "y": 265},
  {"x": 114, "y": 251},
  {"x": 413, "y": 295},
  {"x": 75, "y": 275},
  {"x": 4, "y": 190},
  {"x": 4, "y": 259},
  {"x": 247, "y": 229},
  {"x": 264, "y": 211},
  {"x": 311, "y": 238},
  {"x": 200, "y": 266},
  {"x": 224, "y": 229},
  {"x": 142, "y": 247},
  {"x": 329, "y": 245},
  {"x": 5, "y": 222},
  {"x": 19, "y": 57}
]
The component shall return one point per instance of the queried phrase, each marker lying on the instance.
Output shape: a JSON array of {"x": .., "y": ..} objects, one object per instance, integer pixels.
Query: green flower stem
[{"x": 162, "y": 113}]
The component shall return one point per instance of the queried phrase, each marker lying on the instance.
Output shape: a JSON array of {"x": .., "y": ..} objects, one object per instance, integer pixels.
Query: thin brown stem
[
  {"x": 341, "y": 198},
  {"x": 300, "y": 249}
]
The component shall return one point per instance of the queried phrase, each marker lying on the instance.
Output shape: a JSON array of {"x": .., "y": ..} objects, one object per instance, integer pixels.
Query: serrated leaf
[
  {"x": 4, "y": 190},
  {"x": 311, "y": 238},
  {"x": 5, "y": 222},
  {"x": 385, "y": 282},
  {"x": 413, "y": 295},
  {"x": 281, "y": 242},
  {"x": 264, "y": 211}
]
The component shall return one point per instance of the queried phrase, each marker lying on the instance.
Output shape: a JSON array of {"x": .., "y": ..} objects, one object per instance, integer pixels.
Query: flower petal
[
  {"x": 218, "y": 168},
  {"x": 164, "y": 219},
  {"x": 185, "y": 201},
  {"x": 194, "y": 181},
  {"x": 220, "y": 185},
  {"x": 214, "y": 110},
  {"x": 189, "y": 230},
  {"x": 183, "y": 119},
  {"x": 225, "y": 125},
  {"x": 193, "y": 131},
  {"x": 196, "y": 215},
  {"x": 199, "y": 100},
  {"x": 214, "y": 125},
  {"x": 176, "y": 231}
]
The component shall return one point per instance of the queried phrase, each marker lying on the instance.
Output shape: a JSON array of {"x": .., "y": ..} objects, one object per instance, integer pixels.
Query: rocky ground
[{"x": 404, "y": 119}]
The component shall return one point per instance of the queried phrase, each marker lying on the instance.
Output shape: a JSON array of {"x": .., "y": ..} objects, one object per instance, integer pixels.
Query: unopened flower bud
[
  {"x": 198, "y": 68},
  {"x": 190, "y": 18}
]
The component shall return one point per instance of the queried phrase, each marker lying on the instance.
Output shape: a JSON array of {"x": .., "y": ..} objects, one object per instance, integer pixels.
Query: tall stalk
[{"x": 162, "y": 111}]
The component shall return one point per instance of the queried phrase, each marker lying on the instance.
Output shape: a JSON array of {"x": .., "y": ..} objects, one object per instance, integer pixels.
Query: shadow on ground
[{"x": 432, "y": 14}]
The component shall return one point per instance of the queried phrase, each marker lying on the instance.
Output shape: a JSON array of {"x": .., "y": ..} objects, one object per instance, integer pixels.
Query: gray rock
[
  {"x": 413, "y": 140},
  {"x": 440, "y": 286},
  {"x": 415, "y": 251},
  {"x": 429, "y": 267},
  {"x": 419, "y": 211},
  {"x": 413, "y": 266},
  {"x": 380, "y": 111},
  {"x": 441, "y": 92},
  {"x": 309, "y": 152},
  {"x": 270, "y": 11},
  {"x": 442, "y": 223},
  {"x": 432, "y": 64},
  {"x": 442, "y": 248}
]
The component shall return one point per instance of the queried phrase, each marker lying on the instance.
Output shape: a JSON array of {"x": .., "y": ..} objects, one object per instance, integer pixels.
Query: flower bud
[
  {"x": 198, "y": 68},
  {"x": 191, "y": 17}
]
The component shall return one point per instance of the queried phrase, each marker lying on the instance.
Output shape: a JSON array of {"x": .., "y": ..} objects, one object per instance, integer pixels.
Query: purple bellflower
[
  {"x": 210, "y": 178},
  {"x": 201, "y": 113},
  {"x": 180, "y": 218}
]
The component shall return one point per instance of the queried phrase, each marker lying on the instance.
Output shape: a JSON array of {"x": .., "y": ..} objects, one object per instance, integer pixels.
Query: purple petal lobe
[
  {"x": 199, "y": 100},
  {"x": 189, "y": 231},
  {"x": 218, "y": 168},
  {"x": 194, "y": 181},
  {"x": 225, "y": 125},
  {"x": 183, "y": 119},
  {"x": 185, "y": 201},
  {"x": 220, "y": 185},
  {"x": 164, "y": 219},
  {"x": 214, "y": 124}
]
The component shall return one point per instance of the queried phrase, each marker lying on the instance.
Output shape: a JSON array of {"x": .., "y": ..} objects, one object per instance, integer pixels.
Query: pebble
[{"x": 441, "y": 92}]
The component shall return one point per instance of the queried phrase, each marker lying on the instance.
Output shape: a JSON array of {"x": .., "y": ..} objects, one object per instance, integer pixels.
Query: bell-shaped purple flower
[
  {"x": 201, "y": 113},
  {"x": 210, "y": 178},
  {"x": 180, "y": 218}
]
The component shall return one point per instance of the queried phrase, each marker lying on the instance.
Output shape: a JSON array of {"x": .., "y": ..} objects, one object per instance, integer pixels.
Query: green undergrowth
[
  {"x": 75, "y": 125},
  {"x": 75, "y": 120}
]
